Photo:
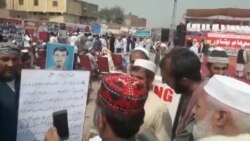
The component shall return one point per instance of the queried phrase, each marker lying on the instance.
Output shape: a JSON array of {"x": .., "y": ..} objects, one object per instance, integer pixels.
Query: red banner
[
  {"x": 228, "y": 40},
  {"x": 231, "y": 42},
  {"x": 11, "y": 21}
]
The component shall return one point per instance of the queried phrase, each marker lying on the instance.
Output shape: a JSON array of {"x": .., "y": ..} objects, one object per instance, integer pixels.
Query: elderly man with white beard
[{"x": 223, "y": 108}]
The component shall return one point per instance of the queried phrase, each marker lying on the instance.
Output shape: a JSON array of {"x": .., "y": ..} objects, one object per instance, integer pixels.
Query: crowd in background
[{"x": 127, "y": 109}]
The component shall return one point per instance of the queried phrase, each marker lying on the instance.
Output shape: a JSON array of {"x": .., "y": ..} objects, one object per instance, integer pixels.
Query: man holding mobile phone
[{"x": 52, "y": 135}]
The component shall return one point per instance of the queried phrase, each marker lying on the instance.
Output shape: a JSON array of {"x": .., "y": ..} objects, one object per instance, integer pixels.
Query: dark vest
[{"x": 9, "y": 111}]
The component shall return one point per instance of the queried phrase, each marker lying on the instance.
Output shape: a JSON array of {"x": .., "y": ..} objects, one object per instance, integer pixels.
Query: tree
[
  {"x": 112, "y": 15},
  {"x": 2, "y": 3},
  {"x": 104, "y": 14}
]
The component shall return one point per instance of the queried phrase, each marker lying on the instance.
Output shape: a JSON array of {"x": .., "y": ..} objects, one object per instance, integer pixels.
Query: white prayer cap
[
  {"x": 90, "y": 37},
  {"x": 163, "y": 45},
  {"x": 230, "y": 91},
  {"x": 25, "y": 51},
  {"x": 13, "y": 41},
  {"x": 218, "y": 55},
  {"x": 241, "y": 137},
  {"x": 146, "y": 64},
  {"x": 143, "y": 50},
  {"x": 74, "y": 34}
]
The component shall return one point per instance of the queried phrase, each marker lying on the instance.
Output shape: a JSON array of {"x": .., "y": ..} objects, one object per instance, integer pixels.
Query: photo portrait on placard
[{"x": 60, "y": 57}]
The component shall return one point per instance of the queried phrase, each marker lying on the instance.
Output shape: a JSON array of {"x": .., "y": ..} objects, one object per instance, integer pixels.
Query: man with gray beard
[{"x": 223, "y": 108}]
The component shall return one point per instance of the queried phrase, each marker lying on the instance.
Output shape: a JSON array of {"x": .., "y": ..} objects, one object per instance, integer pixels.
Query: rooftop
[{"x": 228, "y": 12}]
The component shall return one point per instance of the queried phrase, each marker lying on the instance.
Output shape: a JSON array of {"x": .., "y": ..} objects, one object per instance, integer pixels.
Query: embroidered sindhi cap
[
  {"x": 9, "y": 48},
  {"x": 122, "y": 94}
]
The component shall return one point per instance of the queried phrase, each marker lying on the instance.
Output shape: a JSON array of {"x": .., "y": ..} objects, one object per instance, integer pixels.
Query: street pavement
[{"x": 89, "y": 113}]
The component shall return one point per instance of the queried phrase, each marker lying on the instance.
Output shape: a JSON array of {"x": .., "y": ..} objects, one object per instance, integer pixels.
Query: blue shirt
[{"x": 9, "y": 111}]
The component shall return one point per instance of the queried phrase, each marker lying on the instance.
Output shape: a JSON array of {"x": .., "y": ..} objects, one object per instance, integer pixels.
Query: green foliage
[{"x": 112, "y": 15}]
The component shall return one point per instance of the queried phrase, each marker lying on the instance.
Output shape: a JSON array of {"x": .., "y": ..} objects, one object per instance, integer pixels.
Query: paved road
[{"x": 88, "y": 123}]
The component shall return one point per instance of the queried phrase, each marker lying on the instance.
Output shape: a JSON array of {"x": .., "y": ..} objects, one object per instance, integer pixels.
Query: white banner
[
  {"x": 44, "y": 92},
  {"x": 168, "y": 95}
]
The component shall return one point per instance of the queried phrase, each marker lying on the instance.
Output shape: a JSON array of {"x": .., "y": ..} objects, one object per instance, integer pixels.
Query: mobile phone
[{"x": 60, "y": 121}]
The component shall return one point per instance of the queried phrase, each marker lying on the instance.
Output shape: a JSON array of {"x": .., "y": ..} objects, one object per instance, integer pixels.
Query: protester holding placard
[
  {"x": 180, "y": 69},
  {"x": 9, "y": 87},
  {"x": 52, "y": 98},
  {"x": 157, "y": 117}
]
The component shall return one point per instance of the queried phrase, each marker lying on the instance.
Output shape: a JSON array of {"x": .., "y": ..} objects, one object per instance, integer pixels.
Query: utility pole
[{"x": 172, "y": 25}]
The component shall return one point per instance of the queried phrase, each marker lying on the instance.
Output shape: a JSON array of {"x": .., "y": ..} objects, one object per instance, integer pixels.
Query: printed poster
[
  {"x": 44, "y": 92},
  {"x": 60, "y": 57}
]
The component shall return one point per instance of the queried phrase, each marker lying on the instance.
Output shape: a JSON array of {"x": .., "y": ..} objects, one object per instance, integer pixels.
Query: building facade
[
  {"x": 66, "y": 11},
  {"x": 134, "y": 21},
  {"x": 89, "y": 12}
]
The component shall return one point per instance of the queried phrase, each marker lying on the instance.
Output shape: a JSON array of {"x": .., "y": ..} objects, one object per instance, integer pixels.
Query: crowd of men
[{"x": 126, "y": 107}]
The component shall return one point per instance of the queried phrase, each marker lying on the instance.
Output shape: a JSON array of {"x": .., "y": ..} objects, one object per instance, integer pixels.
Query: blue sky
[{"x": 159, "y": 12}]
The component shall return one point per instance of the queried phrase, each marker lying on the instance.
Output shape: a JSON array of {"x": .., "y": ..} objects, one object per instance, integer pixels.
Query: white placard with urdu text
[{"x": 44, "y": 92}]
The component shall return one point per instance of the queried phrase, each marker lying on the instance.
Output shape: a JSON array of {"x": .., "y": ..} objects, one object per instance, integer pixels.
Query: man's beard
[
  {"x": 7, "y": 77},
  {"x": 203, "y": 128},
  {"x": 179, "y": 89},
  {"x": 59, "y": 65}
]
